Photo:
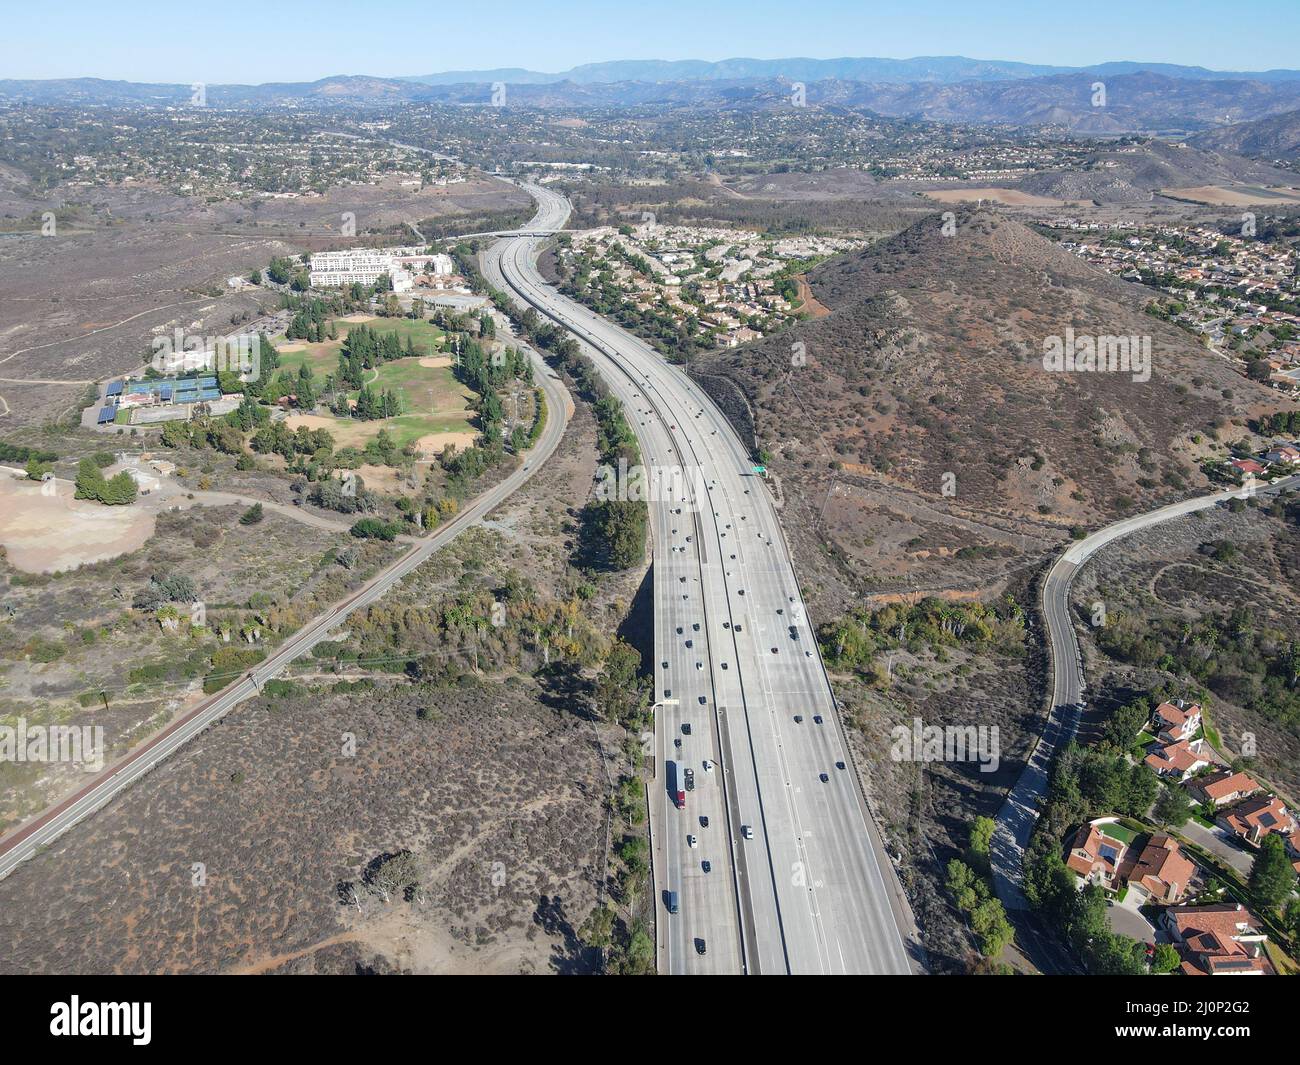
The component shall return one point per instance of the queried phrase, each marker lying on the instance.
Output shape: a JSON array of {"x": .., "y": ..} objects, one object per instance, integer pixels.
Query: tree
[
  {"x": 1173, "y": 808},
  {"x": 1272, "y": 877},
  {"x": 981, "y": 836},
  {"x": 393, "y": 875},
  {"x": 990, "y": 924},
  {"x": 252, "y": 515},
  {"x": 115, "y": 491},
  {"x": 1165, "y": 959}
]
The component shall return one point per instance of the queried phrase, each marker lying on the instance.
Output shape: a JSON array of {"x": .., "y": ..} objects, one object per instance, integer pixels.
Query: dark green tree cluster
[
  {"x": 19, "y": 453},
  {"x": 376, "y": 529},
  {"x": 855, "y": 641},
  {"x": 278, "y": 439},
  {"x": 614, "y": 534},
  {"x": 1235, "y": 654},
  {"x": 113, "y": 491},
  {"x": 366, "y": 349}
]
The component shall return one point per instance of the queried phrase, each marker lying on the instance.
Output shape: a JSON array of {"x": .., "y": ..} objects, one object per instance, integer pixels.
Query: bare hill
[
  {"x": 1137, "y": 172},
  {"x": 927, "y": 380},
  {"x": 1275, "y": 137}
]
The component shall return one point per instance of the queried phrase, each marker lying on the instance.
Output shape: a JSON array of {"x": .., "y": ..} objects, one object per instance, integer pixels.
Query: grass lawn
[
  {"x": 323, "y": 357},
  {"x": 433, "y": 401},
  {"x": 1120, "y": 832},
  {"x": 430, "y": 390}
]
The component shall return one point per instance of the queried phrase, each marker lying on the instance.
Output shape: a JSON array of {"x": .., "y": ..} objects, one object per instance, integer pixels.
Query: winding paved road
[{"x": 1015, "y": 821}]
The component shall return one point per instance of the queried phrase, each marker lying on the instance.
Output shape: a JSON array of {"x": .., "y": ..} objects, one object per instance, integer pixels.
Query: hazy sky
[{"x": 285, "y": 40}]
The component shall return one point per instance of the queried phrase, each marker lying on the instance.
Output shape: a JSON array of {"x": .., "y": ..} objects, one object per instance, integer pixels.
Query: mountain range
[{"x": 1139, "y": 97}]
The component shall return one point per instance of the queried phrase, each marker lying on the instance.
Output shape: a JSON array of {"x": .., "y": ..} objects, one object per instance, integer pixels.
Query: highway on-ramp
[
  {"x": 43, "y": 829},
  {"x": 797, "y": 880}
]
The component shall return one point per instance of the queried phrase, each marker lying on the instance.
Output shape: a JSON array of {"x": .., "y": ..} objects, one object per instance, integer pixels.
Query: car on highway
[
  {"x": 839, "y": 765},
  {"x": 798, "y": 719},
  {"x": 671, "y": 900},
  {"x": 706, "y": 865},
  {"x": 824, "y": 777},
  {"x": 746, "y": 831},
  {"x": 690, "y": 780},
  {"x": 701, "y": 947},
  {"x": 691, "y": 841},
  {"x": 686, "y": 728},
  {"x": 708, "y": 766},
  {"x": 817, "y": 719},
  {"x": 704, "y": 820}
]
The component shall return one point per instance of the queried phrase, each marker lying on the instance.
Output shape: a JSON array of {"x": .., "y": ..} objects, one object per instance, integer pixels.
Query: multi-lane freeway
[
  {"x": 42, "y": 830},
  {"x": 773, "y": 859}
]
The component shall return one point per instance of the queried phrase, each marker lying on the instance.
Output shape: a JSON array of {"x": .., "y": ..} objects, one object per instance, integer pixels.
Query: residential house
[
  {"x": 1252, "y": 820},
  {"x": 1222, "y": 788},
  {"x": 1284, "y": 455},
  {"x": 1178, "y": 760},
  {"x": 1162, "y": 870},
  {"x": 1173, "y": 723},
  {"x": 1222, "y": 940},
  {"x": 1100, "y": 858}
]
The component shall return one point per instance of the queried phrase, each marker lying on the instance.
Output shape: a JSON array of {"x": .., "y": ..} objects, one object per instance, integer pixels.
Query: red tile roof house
[
  {"x": 1286, "y": 455},
  {"x": 1162, "y": 871},
  {"x": 1247, "y": 467},
  {"x": 1252, "y": 820},
  {"x": 1178, "y": 760},
  {"x": 1173, "y": 723},
  {"x": 1223, "y": 940},
  {"x": 1222, "y": 788},
  {"x": 1099, "y": 858}
]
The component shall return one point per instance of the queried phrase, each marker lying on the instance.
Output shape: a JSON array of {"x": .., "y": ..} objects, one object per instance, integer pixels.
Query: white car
[
  {"x": 746, "y": 831},
  {"x": 708, "y": 766},
  {"x": 691, "y": 841}
]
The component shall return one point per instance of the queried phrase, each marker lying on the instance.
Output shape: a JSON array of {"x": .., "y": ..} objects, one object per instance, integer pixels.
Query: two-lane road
[{"x": 1016, "y": 819}]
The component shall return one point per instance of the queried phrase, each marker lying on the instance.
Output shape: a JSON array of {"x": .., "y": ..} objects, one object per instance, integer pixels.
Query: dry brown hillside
[{"x": 928, "y": 372}]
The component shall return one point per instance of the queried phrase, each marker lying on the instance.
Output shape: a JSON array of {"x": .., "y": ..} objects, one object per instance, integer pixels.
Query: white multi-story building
[
  {"x": 330, "y": 269},
  {"x": 365, "y": 265}
]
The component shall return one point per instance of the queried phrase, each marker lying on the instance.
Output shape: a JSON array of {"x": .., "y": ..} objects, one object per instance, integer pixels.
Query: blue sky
[{"x": 285, "y": 40}]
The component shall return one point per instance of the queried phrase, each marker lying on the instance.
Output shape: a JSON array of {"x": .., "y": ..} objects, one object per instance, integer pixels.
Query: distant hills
[
  {"x": 1140, "y": 97},
  {"x": 1274, "y": 137},
  {"x": 943, "y": 69}
]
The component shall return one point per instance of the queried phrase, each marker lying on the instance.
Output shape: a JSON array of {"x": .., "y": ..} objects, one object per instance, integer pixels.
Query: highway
[
  {"x": 1015, "y": 821},
  {"x": 45, "y": 828},
  {"x": 797, "y": 880}
]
